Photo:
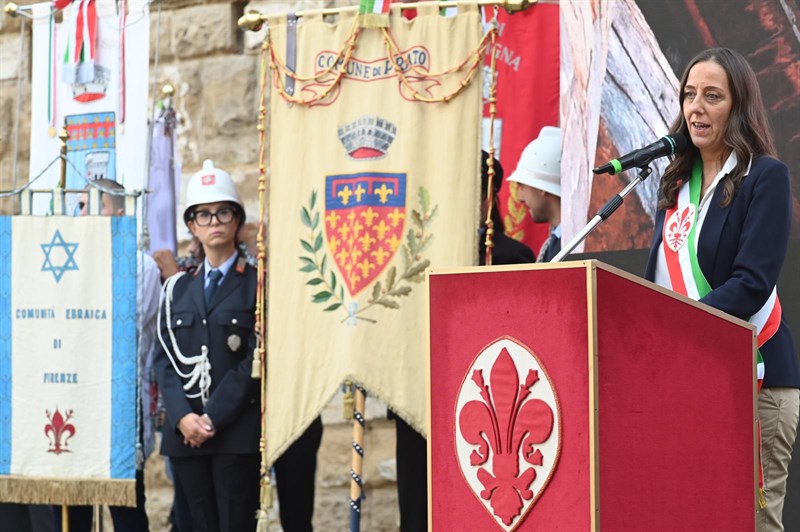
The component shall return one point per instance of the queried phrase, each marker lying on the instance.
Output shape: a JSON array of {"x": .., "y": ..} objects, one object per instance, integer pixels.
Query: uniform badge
[{"x": 234, "y": 342}]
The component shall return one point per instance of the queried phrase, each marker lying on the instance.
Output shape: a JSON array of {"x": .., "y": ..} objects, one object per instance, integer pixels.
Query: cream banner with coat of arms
[{"x": 371, "y": 184}]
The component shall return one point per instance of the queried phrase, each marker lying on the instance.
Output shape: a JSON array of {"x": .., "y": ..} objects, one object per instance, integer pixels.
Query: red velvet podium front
[{"x": 576, "y": 397}]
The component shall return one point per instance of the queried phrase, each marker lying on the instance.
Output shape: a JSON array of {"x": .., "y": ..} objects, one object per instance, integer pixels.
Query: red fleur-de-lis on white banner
[{"x": 58, "y": 428}]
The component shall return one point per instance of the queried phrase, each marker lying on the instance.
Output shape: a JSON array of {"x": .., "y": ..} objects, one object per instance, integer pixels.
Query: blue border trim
[
  {"x": 123, "y": 371},
  {"x": 5, "y": 345}
]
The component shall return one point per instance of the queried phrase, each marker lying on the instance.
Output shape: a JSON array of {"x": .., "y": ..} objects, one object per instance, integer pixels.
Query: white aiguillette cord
[{"x": 201, "y": 372}]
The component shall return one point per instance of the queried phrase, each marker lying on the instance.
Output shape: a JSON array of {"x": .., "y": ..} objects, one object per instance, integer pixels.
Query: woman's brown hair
[{"x": 747, "y": 132}]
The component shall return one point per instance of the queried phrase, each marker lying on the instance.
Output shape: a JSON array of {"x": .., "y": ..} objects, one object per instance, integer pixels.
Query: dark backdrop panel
[{"x": 634, "y": 261}]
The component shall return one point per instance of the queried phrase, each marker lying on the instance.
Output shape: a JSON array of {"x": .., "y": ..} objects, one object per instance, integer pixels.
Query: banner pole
[
  {"x": 260, "y": 352},
  {"x": 63, "y": 135},
  {"x": 64, "y": 518},
  {"x": 489, "y": 243},
  {"x": 253, "y": 20},
  {"x": 356, "y": 482}
]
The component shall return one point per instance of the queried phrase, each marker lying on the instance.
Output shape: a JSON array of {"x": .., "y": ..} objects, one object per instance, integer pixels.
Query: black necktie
[{"x": 213, "y": 280}]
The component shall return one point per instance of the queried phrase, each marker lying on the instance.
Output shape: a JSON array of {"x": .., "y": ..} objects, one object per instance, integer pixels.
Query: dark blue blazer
[
  {"x": 741, "y": 249},
  {"x": 233, "y": 403}
]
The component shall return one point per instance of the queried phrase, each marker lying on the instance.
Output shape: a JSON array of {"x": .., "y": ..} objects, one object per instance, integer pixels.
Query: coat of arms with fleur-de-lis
[
  {"x": 351, "y": 246},
  {"x": 508, "y": 435}
]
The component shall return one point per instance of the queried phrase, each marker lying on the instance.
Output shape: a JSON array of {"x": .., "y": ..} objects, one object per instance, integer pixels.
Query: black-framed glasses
[{"x": 225, "y": 215}]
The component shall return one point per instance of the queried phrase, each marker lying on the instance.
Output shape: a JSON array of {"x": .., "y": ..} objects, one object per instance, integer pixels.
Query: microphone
[{"x": 667, "y": 145}]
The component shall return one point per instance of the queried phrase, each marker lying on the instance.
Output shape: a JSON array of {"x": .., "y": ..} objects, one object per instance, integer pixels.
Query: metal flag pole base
[{"x": 601, "y": 216}]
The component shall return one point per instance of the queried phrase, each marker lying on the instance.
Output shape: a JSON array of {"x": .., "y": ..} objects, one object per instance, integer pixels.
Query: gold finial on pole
[
  {"x": 512, "y": 6},
  {"x": 166, "y": 95},
  {"x": 11, "y": 9},
  {"x": 251, "y": 21},
  {"x": 63, "y": 136}
]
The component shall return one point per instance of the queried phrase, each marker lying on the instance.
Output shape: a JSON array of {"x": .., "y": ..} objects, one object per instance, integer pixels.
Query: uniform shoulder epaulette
[{"x": 241, "y": 264}]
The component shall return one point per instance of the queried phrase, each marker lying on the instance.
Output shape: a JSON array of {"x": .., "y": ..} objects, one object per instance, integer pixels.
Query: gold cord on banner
[
  {"x": 280, "y": 70},
  {"x": 338, "y": 68},
  {"x": 259, "y": 353},
  {"x": 490, "y": 160},
  {"x": 341, "y": 59},
  {"x": 475, "y": 56}
]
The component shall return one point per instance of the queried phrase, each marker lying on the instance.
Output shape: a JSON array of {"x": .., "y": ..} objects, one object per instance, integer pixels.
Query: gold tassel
[
  {"x": 762, "y": 499},
  {"x": 265, "y": 497},
  {"x": 348, "y": 401},
  {"x": 256, "y": 372},
  {"x": 262, "y": 521}
]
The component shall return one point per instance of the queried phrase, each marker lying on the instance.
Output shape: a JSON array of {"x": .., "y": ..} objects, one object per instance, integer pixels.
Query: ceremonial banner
[
  {"x": 527, "y": 63},
  {"x": 374, "y": 178},
  {"x": 68, "y": 360},
  {"x": 100, "y": 96}
]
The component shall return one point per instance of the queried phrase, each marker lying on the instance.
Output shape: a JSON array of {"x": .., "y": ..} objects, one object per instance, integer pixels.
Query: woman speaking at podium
[{"x": 721, "y": 235}]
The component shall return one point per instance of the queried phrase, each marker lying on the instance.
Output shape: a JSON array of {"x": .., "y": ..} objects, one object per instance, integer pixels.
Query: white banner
[
  {"x": 67, "y": 353},
  {"x": 107, "y": 117}
]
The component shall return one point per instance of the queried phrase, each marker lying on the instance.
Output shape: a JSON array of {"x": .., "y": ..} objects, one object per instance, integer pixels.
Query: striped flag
[
  {"x": 164, "y": 183},
  {"x": 374, "y": 13}
]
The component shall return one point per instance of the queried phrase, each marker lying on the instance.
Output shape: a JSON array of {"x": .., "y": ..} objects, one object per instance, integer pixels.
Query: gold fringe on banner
[{"x": 59, "y": 491}]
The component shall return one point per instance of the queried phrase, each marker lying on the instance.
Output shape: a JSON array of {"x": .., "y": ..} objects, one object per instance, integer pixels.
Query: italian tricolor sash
[
  {"x": 684, "y": 269},
  {"x": 686, "y": 277}
]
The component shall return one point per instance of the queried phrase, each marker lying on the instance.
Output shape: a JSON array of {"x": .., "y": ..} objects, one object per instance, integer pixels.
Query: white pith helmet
[
  {"x": 539, "y": 165},
  {"x": 210, "y": 185}
]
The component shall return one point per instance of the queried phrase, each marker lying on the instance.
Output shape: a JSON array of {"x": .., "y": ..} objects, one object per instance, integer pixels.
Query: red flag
[{"x": 527, "y": 62}]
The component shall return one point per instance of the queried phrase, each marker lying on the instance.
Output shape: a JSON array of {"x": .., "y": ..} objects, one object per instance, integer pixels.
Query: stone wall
[{"x": 197, "y": 47}]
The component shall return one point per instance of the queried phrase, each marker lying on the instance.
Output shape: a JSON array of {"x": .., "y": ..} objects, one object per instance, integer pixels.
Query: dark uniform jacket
[
  {"x": 741, "y": 250},
  {"x": 506, "y": 250},
  {"x": 233, "y": 404}
]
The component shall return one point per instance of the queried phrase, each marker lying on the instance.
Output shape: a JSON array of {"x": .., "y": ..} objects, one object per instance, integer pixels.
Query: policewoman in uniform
[{"x": 204, "y": 361}]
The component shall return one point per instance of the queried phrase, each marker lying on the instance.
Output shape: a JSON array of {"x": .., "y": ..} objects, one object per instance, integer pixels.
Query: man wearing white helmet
[
  {"x": 538, "y": 175},
  {"x": 204, "y": 365}
]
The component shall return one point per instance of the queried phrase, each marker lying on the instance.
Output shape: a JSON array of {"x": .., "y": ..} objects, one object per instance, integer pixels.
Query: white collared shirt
[{"x": 223, "y": 268}]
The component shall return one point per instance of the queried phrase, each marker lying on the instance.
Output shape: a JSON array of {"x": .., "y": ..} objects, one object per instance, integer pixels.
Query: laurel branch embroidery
[{"x": 386, "y": 293}]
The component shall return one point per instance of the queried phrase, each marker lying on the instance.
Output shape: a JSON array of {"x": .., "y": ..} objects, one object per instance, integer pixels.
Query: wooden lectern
[{"x": 578, "y": 397}]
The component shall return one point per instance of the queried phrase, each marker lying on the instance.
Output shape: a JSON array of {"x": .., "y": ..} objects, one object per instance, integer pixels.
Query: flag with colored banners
[
  {"x": 85, "y": 79},
  {"x": 68, "y": 360},
  {"x": 374, "y": 179}
]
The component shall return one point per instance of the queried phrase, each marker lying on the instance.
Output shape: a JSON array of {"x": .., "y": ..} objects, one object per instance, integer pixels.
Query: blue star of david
[{"x": 69, "y": 249}]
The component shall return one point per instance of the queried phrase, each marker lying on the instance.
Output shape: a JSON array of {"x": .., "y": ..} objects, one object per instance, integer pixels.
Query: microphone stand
[{"x": 601, "y": 216}]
